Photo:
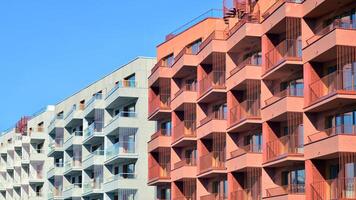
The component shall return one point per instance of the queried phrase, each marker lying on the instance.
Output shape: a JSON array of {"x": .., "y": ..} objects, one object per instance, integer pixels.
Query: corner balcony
[
  {"x": 339, "y": 32},
  {"x": 214, "y": 123},
  {"x": 214, "y": 196},
  {"x": 245, "y": 157},
  {"x": 244, "y": 116},
  {"x": 94, "y": 158},
  {"x": 248, "y": 69},
  {"x": 75, "y": 138},
  {"x": 184, "y": 169},
  {"x": 121, "y": 181},
  {"x": 214, "y": 43},
  {"x": 211, "y": 164},
  {"x": 38, "y": 155},
  {"x": 288, "y": 100},
  {"x": 336, "y": 139},
  {"x": 124, "y": 89},
  {"x": 186, "y": 94},
  {"x": 282, "y": 59},
  {"x": 129, "y": 119},
  {"x": 73, "y": 191},
  {"x": 286, "y": 192},
  {"x": 184, "y": 133},
  {"x": 93, "y": 132},
  {"x": 160, "y": 139},
  {"x": 55, "y": 147},
  {"x": 36, "y": 177},
  {"x": 160, "y": 70},
  {"x": 56, "y": 170},
  {"x": 185, "y": 61},
  {"x": 211, "y": 86},
  {"x": 92, "y": 188},
  {"x": 121, "y": 151},
  {"x": 331, "y": 90},
  {"x": 73, "y": 166},
  {"x": 339, "y": 188},
  {"x": 280, "y": 9},
  {"x": 96, "y": 102},
  {"x": 283, "y": 150},
  {"x": 159, "y": 107},
  {"x": 159, "y": 173}
]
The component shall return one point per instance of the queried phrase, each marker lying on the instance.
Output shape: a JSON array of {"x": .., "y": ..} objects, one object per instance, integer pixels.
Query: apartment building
[
  {"x": 90, "y": 146},
  {"x": 258, "y": 103}
]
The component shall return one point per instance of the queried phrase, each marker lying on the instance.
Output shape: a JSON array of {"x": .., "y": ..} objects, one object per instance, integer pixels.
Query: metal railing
[
  {"x": 215, "y": 115},
  {"x": 250, "y": 148},
  {"x": 247, "y": 18},
  {"x": 186, "y": 87},
  {"x": 286, "y": 50},
  {"x": 159, "y": 102},
  {"x": 284, "y": 145},
  {"x": 212, "y": 161},
  {"x": 214, "y": 80},
  {"x": 161, "y": 132},
  {"x": 254, "y": 60},
  {"x": 185, "y": 162},
  {"x": 323, "y": 30},
  {"x": 277, "y": 4},
  {"x": 286, "y": 190},
  {"x": 339, "y": 188},
  {"x": 95, "y": 97},
  {"x": 289, "y": 92},
  {"x": 122, "y": 84},
  {"x": 342, "y": 80},
  {"x": 95, "y": 127},
  {"x": 159, "y": 171},
  {"x": 347, "y": 129},
  {"x": 186, "y": 128},
  {"x": 244, "y": 110}
]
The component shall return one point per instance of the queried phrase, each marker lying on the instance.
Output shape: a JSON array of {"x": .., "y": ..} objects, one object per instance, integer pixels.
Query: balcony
[
  {"x": 55, "y": 194},
  {"x": 159, "y": 173},
  {"x": 288, "y": 100},
  {"x": 282, "y": 8},
  {"x": 17, "y": 141},
  {"x": 244, "y": 116},
  {"x": 160, "y": 139},
  {"x": 282, "y": 58},
  {"x": 211, "y": 163},
  {"x": 94, "y": 158},
  {"x": 336, "y": 139},
  {"x": 244, "y": 157},
  {"x": 159, "y": 106},
  {"x": 215, "y": 42},
  {"x": 37, "y": 196},
  {"x": 340, "y": 188},
  {"x": 214, "y": 196},
  {"x": 186, "y": 94},
  {"x": 38, "y": 135},
  {"x": 73, "y": 191},
  {"x": 331, "y": 90},
  {"x": 184, "y": 169},
  {"x": 292, "y": 191},
  {"x": 96, "y": 102},
  {"x": 56, "y": 170},
  {"x": 184, "y": 132},
  {"x": 36, "y": 176},
  {"x": 55, "y": 146},
  {"x": 94, "y": 130},
  {"x": 73, "y": 165},
  {"x": 215, "y": 122},
  {"x": 121, "y": 180},
  {"x": 245, "y": 194},
  {"x": 121, "y": 151},
  {"x": 56, "y": 122},
  {"x": 75, "y": 138},
  {"x": 38, "y": 155},
  {"x": 124, "y": 117},
  {"x": 74, "y": 114},
  {"x": 248, "y": 69},
  {"x": 184, "y": 62},
  {"x": 283, "y": 149},
  {"x": 92, "y": 187},
  {"x": 161, "y": 70},
  {"x": 122, "y": 90},
  {"x": 211, "y": 85}
]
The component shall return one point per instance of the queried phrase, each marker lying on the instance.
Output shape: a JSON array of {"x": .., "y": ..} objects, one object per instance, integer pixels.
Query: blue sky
[{"x": 50, "y": 49}]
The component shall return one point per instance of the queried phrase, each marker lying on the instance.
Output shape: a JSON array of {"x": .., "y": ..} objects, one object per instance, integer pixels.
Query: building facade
[
  {"x": 257, "y": 104},
  {"x": 92, "y": 145}
]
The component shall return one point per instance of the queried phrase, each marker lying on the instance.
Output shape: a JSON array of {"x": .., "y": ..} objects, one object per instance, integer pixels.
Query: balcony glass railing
[
  {"x": 92, "y": 185},
  {"x": 122, "y": 84},
  {"x": 121, "y": 176},
  {"x": 96, "y": 154},
  {"x": 72, "y": 186},
  {"x": 122, "y": 114},
  {"x": 121, "y": 148},
  {"x": 97, "y": 96},
  {"x": 95, "y": 127}
]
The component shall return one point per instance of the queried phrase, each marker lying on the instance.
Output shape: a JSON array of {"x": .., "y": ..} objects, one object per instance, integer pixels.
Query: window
[
  {"x": 166, "y": 128},
  {"x": 168, "y": 60},
  {"x": 194, "y": 47}
]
